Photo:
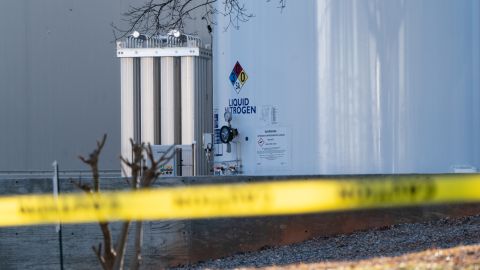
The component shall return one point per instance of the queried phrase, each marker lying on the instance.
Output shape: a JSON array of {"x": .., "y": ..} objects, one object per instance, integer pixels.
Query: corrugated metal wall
[{"x": 59, "y": 82}]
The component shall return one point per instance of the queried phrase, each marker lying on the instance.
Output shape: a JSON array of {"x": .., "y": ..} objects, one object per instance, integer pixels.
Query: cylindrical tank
[{"x": 350, "y": 87}]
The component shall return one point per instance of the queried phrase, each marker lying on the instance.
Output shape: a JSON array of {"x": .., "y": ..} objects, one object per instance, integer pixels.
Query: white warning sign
[{"x": 273, "y": 148}]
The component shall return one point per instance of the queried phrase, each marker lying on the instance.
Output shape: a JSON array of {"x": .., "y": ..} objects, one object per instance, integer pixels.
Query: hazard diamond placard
[{"x": 238, "y": 77}]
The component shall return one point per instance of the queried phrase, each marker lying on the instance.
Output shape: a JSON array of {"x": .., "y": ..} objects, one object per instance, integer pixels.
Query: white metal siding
[
  {"x": 60, "y": 82},
  {"x": 368, "y": 86}
]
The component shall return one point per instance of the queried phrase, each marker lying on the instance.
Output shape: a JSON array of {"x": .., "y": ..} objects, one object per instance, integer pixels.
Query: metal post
[
  {"x": 58, "y": 226},
  {"x": 193, "y": 160},
  {"x": 178, "y": 161}
]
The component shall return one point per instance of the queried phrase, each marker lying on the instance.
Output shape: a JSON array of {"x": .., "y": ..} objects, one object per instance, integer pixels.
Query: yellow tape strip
[{"x": 296, "y": 196}]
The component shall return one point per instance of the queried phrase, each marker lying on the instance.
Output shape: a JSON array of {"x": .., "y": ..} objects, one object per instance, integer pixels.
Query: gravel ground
[{"x": 405, "y": 246}]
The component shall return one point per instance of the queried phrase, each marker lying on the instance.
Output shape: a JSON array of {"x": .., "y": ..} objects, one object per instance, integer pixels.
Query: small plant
[{"x": 143, "y": 175}]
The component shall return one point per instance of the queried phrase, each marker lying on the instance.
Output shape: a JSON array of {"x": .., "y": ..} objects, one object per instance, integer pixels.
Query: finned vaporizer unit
[{"x": 166, "y": 96}]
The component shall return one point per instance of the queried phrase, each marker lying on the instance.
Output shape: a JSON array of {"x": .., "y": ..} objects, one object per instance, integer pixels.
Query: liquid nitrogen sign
[
  {"x": 238, "y": 77},
  {"x": 241, "y": 106}
]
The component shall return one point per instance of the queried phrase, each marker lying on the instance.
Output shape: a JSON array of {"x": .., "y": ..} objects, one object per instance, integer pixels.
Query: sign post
[{"x": 58, "y": 226}]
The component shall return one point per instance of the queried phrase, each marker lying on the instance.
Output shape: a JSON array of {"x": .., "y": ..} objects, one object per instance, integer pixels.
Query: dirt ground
[
  {"x": 442, "y": 244},
  {"x": 463, "y": 257}
]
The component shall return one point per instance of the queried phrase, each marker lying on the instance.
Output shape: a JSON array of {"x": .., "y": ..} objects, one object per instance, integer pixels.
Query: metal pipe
[{"x": 193, "y": 160}]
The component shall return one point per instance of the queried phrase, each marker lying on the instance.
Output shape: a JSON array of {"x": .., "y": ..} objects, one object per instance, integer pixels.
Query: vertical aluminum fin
[
  {"x": 127, "y": 111},
  {"x": 197, "y": 107},
  {"x": 190, "y": 124},
  {"x": 149, "y": 101},
  {"x": 170, "y": 101}
]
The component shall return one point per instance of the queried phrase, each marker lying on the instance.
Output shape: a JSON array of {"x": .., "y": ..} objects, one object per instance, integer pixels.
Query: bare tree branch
[
  {"x": 84, "y": 187},
  {"x": 161, "y": 16},
  {"x": 136, "y": 166},
  {"x": 92, "y": 161},
  {"x": 109, "y": 253},
  {"x": 108, "y": 257},
  {"x": 137, "y": 259},
  {"x": 149, "y": 175},
  {"x": 98, "y": 252},
  {"x": 143, "y": 175}
]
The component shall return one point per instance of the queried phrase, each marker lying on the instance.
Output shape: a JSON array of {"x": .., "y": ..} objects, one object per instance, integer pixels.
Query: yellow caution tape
[{"x": 296, "y": 196}]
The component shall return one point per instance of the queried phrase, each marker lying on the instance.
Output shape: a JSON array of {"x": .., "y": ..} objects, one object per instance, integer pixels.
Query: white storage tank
[{"x": 349, "y": 87}]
